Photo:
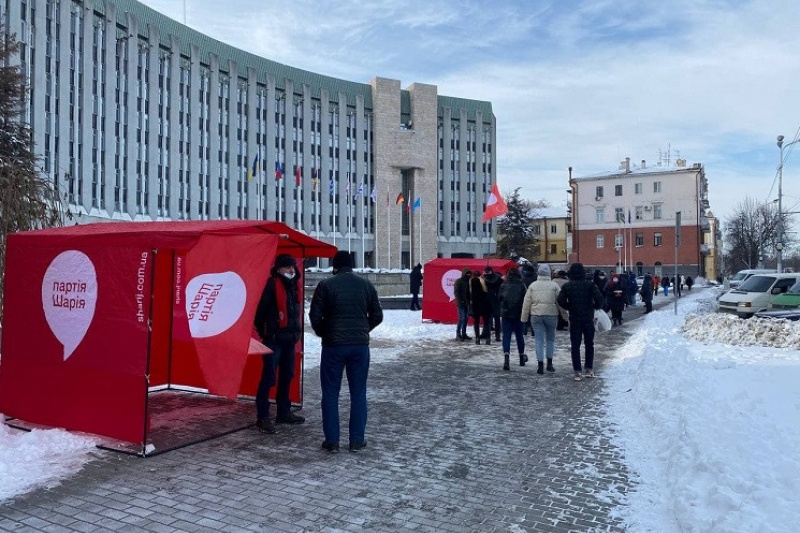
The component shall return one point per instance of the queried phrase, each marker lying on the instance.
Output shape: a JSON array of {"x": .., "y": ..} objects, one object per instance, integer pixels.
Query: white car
[{"x": 756, "y": 294}]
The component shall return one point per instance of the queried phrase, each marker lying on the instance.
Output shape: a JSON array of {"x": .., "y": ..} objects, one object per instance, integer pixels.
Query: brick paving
[{"x": 454, "y": 444}]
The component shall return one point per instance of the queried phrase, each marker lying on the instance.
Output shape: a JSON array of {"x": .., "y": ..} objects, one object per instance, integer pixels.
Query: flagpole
[
  {"x": 334, "y": 211},
  {"x": 362, "y": 229},
  {"x": 349, "y": 215},
  {"x": 388, "y": 234},
  {"x": 419, "y": 234},
  {"x": 317, "y": 205}
]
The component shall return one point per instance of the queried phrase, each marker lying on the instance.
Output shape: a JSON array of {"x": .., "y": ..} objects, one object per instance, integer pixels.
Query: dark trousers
[
  {"x": 415, "y": 302},
  {"x": 487, "y": 325},
  {"x": 515, "y": 326},
  {"x": 282, "y": 360},
  {"x": 581, "y": 330},
  {"x": 463, "y": 318},
  {"x": 496, "y": 326},
  {"x": 336, "y": 360},
  {"x": 648, "y": 305}
]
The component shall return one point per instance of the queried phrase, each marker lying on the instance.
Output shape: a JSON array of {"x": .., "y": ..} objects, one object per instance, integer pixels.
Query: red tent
[
  {"x": 99, "y": 316},
  {"x": 438, "y": 303}
]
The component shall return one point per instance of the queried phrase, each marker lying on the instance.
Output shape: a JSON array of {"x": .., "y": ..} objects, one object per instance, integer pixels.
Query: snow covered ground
[{"x": 704, "y": 405}]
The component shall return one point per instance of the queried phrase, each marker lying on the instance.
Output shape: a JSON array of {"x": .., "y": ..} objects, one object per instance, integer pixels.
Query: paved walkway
[{"x": 455, "y": 444}]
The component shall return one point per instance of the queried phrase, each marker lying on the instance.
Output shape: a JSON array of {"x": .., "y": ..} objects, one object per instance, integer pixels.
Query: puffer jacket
[
  {"x": 344, "y": 309},
  {"x": 493, "y": 283},
  {"x": 512, "y": 294},
  {"x": 579, "y": 296},
  {"x": 540, "y": 299}
]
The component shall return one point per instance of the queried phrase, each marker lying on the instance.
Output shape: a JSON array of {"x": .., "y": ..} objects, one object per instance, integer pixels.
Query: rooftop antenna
[{"x": 184, "y": 13}]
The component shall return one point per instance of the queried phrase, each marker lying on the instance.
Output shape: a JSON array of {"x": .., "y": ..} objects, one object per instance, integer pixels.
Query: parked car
[
  {"x": 742, "y": 275},
  {"x": 756, "y": 294}
]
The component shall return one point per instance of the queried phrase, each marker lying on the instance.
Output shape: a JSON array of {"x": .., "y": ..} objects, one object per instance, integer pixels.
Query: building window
[
  {"x": 656, "y": 212},
  {"x": 639, "y": 214},
  {"x": 619, "y": 214},
  {"x": 617, "y": 190},
  {"x": 639, "y": 239},
  {"x": 599, "y": 215},
  {"x": 598, "y": 192},
  {"x": 601, "y": 241},
  {"x": 656, "y": 186},
  {"x": 618, "y": 240},
  {"x": 537, "y": 229},
  {"x": 657, "y": 238},
  {"x": 637, "y": 188},
  {"x": 553, "y": 248},
  {"x": 553, "y": 229}
]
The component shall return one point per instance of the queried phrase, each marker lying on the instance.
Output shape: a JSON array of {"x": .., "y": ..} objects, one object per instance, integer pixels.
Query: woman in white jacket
[{"x": 540, "y": 307}]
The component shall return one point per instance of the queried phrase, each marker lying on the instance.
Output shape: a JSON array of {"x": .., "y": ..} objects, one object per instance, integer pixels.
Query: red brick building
[{"x": 626, "y": 219}]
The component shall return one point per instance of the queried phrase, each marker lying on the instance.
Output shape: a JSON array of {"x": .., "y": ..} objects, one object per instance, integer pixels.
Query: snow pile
[{"x": 729, "y": 329}]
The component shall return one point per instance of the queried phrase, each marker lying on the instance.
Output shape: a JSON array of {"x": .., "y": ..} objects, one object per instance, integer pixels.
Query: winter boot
[
  {"x": 550, "y": 365},
  {"x": 506, "y": 366},
  {"x": 522, "y": 359},
  {"x": 477, "y": 340},
  {"x": 540, "y": 367}
]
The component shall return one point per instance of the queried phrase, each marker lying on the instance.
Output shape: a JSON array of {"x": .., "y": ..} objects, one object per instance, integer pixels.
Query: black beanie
[
  {"x": 342, "y": 259},
  {"x": 285, "y": 260}
]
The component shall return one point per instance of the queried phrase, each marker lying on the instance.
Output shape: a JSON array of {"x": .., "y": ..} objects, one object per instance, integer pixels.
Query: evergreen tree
[
  {"x": 26, "y": 198},
  {"x": 515, "y": 228}
]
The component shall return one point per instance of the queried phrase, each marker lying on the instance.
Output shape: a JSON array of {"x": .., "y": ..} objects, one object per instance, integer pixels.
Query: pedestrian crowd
[{"x": 345, "y": 308}]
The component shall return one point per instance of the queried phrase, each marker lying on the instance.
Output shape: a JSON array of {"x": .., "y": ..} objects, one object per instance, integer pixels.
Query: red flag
[
  {"x": 400, "y": 199},
  {"x": 495, "y": 205},
  {"x": 298, "y": 171}
]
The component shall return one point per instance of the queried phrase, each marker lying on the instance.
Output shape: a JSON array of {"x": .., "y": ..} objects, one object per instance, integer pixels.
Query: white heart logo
[{"x": 214, "y": 302}]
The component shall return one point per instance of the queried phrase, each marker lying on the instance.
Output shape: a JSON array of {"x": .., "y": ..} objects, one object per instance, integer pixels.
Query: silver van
[
  {"x": 756, "y": 294},
  {"x": 742, "y": 275}
]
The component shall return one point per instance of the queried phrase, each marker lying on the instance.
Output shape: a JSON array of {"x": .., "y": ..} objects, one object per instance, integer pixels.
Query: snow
[{"x": 703, "y": 405}]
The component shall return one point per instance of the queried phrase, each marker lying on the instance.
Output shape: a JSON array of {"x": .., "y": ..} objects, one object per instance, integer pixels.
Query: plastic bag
[{"x": 601, "y": 321}]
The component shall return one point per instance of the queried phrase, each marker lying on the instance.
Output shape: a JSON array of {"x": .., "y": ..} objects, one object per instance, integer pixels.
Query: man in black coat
[
  {"x": 461, "y": 294},
  {"x": 344, "y": 309},
  {"x": 278, "y": 324},
  {"x": 493, "y": 281},
  {"x": 415, "y": 283},
  {"x": 647, "y": 293},
  {"x": 580, "y": 297}
]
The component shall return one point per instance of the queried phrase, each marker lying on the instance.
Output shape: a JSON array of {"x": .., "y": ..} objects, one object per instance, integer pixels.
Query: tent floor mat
[
  {"x": 181, "y": 418},
  {"x": 177, "y": 419}
]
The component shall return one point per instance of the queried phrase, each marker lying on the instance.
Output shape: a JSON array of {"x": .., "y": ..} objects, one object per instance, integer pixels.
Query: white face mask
[{"x": 288, "y": 275}]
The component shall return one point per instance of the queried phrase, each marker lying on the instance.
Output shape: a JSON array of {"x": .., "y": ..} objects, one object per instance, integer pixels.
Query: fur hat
[
  {"x": 285, "y": 260},
  {"x": 577, "y": 271},
  {"x": 488, "y": 270},
  {"x": 544, "y": 270},
  {"x": 342, "y": 259}
]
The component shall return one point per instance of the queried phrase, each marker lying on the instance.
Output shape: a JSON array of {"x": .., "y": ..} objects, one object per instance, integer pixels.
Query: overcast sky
[{"x": 583, "y": 83}]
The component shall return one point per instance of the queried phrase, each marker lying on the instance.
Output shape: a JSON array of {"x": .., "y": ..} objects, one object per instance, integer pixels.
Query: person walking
[
  {"x": 493, "y": 282},
  {"x": 665, "y": 285},
  {"x": 481, "y": 308},
  {"x": 512, "y": 293},
  {"x": 580, "y": 297},
  {"x": 528, "y": 276},
  {"x": 615, "y": 299},
  {"x": 647, "y": 293},
  {"x": 676, "y": 285},
  {"x": 541, "y": 308},
  {"x": 689, "y": 283},
  {"x": 656, "y": 284},
  {"x": 563, "y": 317},
  {"x": 461, "y": 294},
  {"x": 344, "y": 309},
  {"x": 278, "y": 323},
  {"x": 415, "y": 284}
]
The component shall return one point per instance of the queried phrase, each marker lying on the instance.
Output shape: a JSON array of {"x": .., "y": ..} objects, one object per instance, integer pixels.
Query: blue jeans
[
  {"x": 544, "y": 329},
  {"x": 463, "y": 317},
  {"x": 282, "y": 360},
  {"x": 515, "y": 326},
  {"x": 354, "y": 359},
  {"x": 581, "y": 330}
]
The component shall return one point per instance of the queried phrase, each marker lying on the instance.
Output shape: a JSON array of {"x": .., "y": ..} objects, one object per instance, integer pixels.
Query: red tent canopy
[
  {"x": 99, "y": 315},
  {"x": 438, "y": 302}
]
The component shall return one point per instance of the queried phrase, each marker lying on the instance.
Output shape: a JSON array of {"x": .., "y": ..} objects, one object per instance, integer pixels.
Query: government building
[{"x": 136, "y": 117}]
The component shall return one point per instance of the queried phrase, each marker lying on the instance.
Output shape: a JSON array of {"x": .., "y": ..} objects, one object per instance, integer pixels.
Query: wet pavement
[{"x": 454, "y": 444}]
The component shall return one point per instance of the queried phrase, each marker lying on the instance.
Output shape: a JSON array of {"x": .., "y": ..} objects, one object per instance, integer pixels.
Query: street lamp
[
  {"x": 780, "y": 211},
  {"x": 780, "y": 200}
]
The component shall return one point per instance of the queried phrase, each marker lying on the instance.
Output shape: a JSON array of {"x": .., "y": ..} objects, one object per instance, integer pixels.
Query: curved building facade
[{"x": 138, "y": 117}]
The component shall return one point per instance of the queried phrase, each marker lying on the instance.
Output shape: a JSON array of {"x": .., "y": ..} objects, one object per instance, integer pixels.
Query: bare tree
[
  {"x": 27, "y": 199},
  {"x": 751, "y": 233}
]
